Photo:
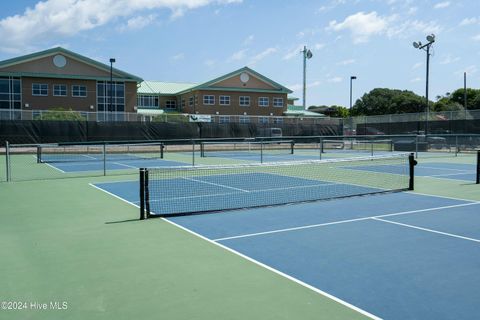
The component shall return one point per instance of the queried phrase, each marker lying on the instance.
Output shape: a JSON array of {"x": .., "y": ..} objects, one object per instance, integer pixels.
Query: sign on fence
[{"x": 200, "y": 118}]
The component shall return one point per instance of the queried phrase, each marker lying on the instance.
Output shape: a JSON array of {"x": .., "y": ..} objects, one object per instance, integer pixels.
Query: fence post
[
  {"x": 104, "y": 159},
  {"x": 7, "y": 160},
  {"x": 193, "y": 152}
]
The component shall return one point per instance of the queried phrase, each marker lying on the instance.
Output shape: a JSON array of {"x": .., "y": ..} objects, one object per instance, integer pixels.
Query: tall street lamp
[
  {"x": 307, "y": 54},
  {"x": 112, "y": 60},
  {"x": 426, "y": 47},
  {"x": 351, "y": 79}
]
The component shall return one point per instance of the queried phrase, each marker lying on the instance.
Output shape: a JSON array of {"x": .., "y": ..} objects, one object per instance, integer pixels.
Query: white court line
[
  {"x": 428, "y": 230},
  {"x": 304, "y": 284},
  {"x": 216, "y": 184},
  {"x": 450, "y": 174},
  {"x": 440, "y": 168},
  {"x": 344, "y": 221},
  {"x": 125, "y": 165},
  {"x": 114, "y": 195}
]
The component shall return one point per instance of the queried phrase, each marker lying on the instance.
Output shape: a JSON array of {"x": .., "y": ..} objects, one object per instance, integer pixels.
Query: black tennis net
[
  {"x": 50, "y": 153},
  {"x": 189, "y": 190},
  {"x": 246, "y": 148}
]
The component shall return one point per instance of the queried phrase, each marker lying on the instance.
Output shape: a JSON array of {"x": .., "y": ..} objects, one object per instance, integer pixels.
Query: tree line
[{"x": 381, "y": 101}]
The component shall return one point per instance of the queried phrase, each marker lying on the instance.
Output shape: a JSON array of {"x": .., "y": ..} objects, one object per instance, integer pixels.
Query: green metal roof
[
  {"x": 292, "y": 98},
  {"x": 300, "y": 112},
  {"x": 163, "y": 88},
  {"x": 29, "y": 57}
]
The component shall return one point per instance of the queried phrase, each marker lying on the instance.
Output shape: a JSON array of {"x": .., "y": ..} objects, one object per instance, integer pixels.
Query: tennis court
[
  {"x": 456, "y": 171},
  {"x": 392, "y": 255}
]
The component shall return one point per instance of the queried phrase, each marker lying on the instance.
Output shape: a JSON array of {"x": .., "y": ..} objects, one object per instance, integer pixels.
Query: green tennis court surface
[{"x": 63, "y": 240}]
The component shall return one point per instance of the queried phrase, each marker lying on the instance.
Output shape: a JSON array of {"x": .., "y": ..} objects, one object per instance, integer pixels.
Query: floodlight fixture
[{"x": 418, "y": 45}]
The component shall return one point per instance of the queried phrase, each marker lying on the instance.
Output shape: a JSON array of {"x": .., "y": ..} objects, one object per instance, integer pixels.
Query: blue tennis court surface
[
  {"x": 429, "y": 169},
  {"x": 121, "y": 163},
  {"x": 395, "y": 255}
]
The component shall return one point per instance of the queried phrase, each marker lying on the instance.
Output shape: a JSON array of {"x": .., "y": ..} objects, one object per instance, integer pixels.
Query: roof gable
[
  {"x": 232, "y": 81},
  {"x": 73, "y": 65}
]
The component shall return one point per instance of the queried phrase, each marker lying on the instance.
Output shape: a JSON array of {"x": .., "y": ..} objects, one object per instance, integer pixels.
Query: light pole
[
  {"x": 426, "y": 47},
  {"x": 112, "y": 60},
  {"x": 307, "y": 54},
  {"x": 351, "y": 79}
]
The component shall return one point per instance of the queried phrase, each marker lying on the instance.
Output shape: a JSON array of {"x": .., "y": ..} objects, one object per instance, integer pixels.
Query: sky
[{"x": 198, "y": 40}]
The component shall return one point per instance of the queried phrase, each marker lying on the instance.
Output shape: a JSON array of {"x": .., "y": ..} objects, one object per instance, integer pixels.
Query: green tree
[
  {"x": 388, "y": 101},
  {"x": 472, "y": 96}
]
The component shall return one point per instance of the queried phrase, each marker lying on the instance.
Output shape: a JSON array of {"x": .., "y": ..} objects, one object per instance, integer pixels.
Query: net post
[
  {"x": 411, "y": 165},
  {"x": 202, "y": 149},
  {"x": 147, "y": 194},
  {"x": 142, "y": 193},
  {"x": 7, "y": 160},
  {"x": 261, "y": 151},
  {"x": 193, "y": 152},
  {"x": 321, "y": 148},
  {"x": 104, "y": 153},
  {"x": 477, "y": 181},
  {"x": 371, "y": 147},
  {"x": 416, "y": 146},
  {"x": 162, "y": 147},
  {"x": 39, "y": 154},
  {"x": 292, "y": 146},
  {"x": 457, "y": 148}
]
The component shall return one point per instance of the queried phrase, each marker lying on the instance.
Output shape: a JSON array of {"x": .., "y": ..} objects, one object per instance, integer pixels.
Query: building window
[
  {"x": 171, "y": 104},
  {"x": 208, "y": 100},
  {"x": 263, "y": 120},
  {"x": 263, "y": 101},
  {"x": 278, "y": 102},
  {"x": 190, "y": 101},
  {"x": 244, "y": 101},
  {"x": 183, "y": 103},
  {"x": 79, "y": 91},
  {"x": 10, "y": 98},
  {"x": 224, "y": 100},
  {"x": 60, "y": 90},
  {"x": 244, "y": 119},
  {"x": 39, "y": 89},
  {"x": 148, "y": 101},
  {"x": 278, "y": 120},
  {"x": 115, "y": 109},
  {"x": 224, "y": 119}
]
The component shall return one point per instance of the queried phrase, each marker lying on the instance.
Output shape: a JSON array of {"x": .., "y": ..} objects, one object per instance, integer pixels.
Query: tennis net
[
  {"x": 187, "y": 190},
  {"x": 246, "y": 148},
  {"x": 50, "y": 153},
  {"x": 353, "y": 145}
]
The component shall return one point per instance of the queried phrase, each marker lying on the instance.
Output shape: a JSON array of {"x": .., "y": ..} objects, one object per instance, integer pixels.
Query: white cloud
[
  {"x": 53, "y": 19},
  {"x": 209, "y": 62},
  {"x": 293, "y": 53},
  {"x": 469, "y": 21},
  {"x": 248, "y": 40},
  {"x": 138, "y": 22},
  {"x": 299, "y": 86},
  {"x": 346, "y": 62},
  {"x": 476, "y": 38},
  {"x": 417, "y": 65},
  {"x": 417, "y": 79},
  {"x": 239, "y": 55},
  {"x": 361, "y": 25},
  {"x": 179, "y": 56},
  {"x": 318, "y": 46},
  {"x": 412, "y": 10},
  {"x": 442, "y": 5},
  {"x": 449, "y": 59},
  {"x": 262, "y": 55},
  {"x": 335, "y": 79},
  {"x": 470, "y": 70}
]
